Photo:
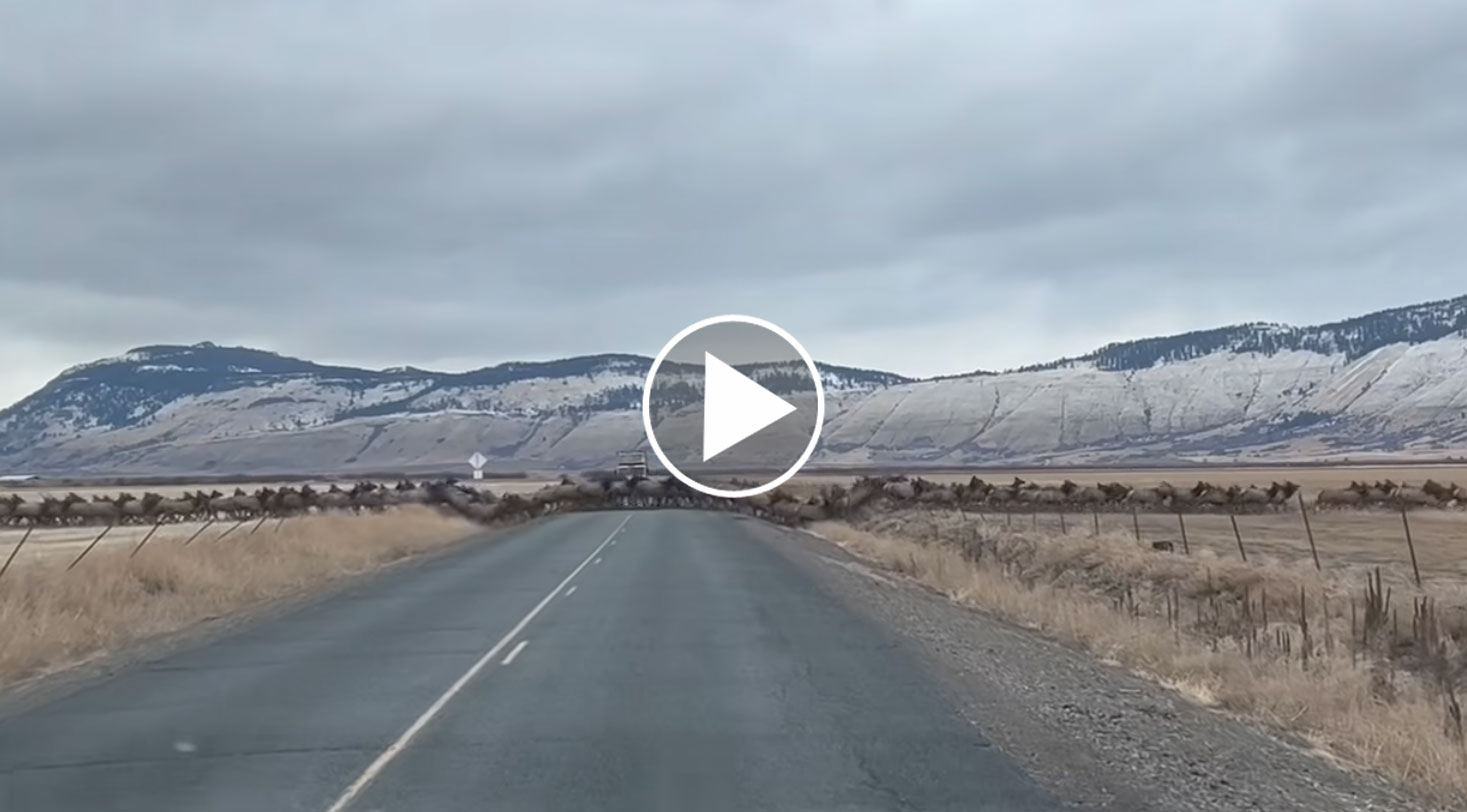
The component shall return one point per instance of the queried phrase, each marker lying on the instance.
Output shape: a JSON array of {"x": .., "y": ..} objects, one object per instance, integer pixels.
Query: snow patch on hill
[{"x": 1394, "y": 382}]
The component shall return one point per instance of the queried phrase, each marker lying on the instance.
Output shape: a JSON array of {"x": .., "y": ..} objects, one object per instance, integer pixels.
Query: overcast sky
[{"x": 926, "y": 187}]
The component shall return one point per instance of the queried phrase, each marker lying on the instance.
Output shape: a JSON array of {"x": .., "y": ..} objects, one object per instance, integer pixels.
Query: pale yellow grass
[
  {"x": 1063, "y": 587},
  {"x": 71, "y": 541},
  {"x": 50, "y": 618}
]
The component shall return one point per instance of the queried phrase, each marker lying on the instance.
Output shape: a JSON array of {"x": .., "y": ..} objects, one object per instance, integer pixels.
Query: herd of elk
[
  {"x": 1431, "y": 494},
  {"x": 589, "y": 493},
  {"x": 150, "y": 508},
  {"x": 477, "y": 504},
  {"x": 1020, "y": 495}
]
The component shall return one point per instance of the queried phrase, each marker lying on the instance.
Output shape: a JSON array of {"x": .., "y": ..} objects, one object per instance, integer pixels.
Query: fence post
[
  {"x": 1095, "y": 518},
  {"x": 1063, "y": 530},
  {"x": 14, "y": 551},
  {"x": 1411, "y": 546},
  {"x": 1186, "y": 548},
  {"x": 1136, "y": 523},
  {"x": 197, "y": 532},
  {"x": 1314, "y": 551},
  {"x": 278, "y": 525},
  {"x": 78, "y": 559},
  {"x": 1233, "y": 517},
  {"x": 257, "y": 524},
  {"x": 231, "y": 530},
  {"x": 151, "y": 531}
]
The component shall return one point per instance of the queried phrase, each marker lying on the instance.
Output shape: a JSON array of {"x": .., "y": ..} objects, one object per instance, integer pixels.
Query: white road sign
[{"x": 477, "y": 461}]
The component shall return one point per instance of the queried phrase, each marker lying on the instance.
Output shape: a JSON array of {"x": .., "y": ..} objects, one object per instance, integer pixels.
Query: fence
[
  {"x": 1291, "y": 531},
  {"x": 152, "y": 530}
]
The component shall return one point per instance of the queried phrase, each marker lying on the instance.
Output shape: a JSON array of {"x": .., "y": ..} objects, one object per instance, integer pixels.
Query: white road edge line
[
  {"x": 515, "y": 652},
  {"x": 386, "y": 757},
  {"x": 571, "y": 591}
]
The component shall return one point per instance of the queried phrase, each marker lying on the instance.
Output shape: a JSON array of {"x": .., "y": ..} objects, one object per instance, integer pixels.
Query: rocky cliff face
[{"x": 1393, "y": 382}]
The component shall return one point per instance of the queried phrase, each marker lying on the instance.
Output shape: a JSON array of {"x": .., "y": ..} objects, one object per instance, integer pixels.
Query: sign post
[{"x": 477, "y": 463}]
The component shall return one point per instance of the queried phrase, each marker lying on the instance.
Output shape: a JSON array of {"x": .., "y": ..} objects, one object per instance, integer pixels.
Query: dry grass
[
  {"x": 1312, "y": 478},
  {"x": 51, "y": 618},
  {"x": 1349, "y": 541},
  {"x": 69, "y": 542},
  {"x": 1110, "y": 595}
]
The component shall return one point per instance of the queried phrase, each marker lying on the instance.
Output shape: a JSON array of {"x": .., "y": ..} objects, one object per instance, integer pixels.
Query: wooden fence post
[
  {"x": 94, "y": 543},
  {"x": 1063, "y": 530},
  {"x": 151, "y": 531},
  {"x": 257, "y": 524},
  {"x": 231, "y": 530},
  {"x": 1182, "y": 523},
  {"x": 14, "y": 551},
  {"x": 1233, "y": 517},
  {"x": 1095, "y": 518},
  {"x": 1314, "y": 551},
  {"x": 1411, "y": 546},
  {"x": 197, "y": 532}
]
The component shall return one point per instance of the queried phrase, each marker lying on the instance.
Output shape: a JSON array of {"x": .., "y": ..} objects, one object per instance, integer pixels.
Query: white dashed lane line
[
  {"x": 515, "y": 652},
  {"x": 392, "y": 751}
]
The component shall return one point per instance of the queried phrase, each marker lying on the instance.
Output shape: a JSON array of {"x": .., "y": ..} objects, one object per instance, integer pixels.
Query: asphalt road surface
[{"x": 660, "y": 660}]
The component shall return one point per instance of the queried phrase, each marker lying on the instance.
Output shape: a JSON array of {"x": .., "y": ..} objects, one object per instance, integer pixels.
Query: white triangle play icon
[{"x": 734, "y": 406}]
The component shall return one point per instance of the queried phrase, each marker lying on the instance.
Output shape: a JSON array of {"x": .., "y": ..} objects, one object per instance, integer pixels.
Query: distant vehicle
[{"x": 631, "y": 464}]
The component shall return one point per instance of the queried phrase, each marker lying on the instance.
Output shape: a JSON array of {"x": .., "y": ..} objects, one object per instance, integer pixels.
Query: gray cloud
[{"x": 924, "y": 186}]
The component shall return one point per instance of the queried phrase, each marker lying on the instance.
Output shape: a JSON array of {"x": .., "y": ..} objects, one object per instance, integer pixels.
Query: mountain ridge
[{"x": 1388, "y": 381}]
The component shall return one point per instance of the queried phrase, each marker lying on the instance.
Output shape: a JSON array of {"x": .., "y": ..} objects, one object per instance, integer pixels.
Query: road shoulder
[{"x": 1093, "y": 734}]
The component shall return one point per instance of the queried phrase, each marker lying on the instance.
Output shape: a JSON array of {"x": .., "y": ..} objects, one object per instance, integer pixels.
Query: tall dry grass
[
  {"x": 51, "y": 618},
  {"x": 1181, "y": 620}
]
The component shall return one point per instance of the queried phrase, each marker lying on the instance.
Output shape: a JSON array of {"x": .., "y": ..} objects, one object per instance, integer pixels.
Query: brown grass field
[
  {"x": 1312, "y": 478},
  {"x": 66, "y": 543},
  {"x": 1350, "y": 542},
  {"x": 51, "y": 618}
]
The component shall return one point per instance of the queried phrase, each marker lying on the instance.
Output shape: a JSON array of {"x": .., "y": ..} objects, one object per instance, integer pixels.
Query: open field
[
  {"x": 71, "y": 541},
  {"x": 51, "y": 617},
  {"x": 1311, "y": 478},
  {"x": 1349, "y": 541}
]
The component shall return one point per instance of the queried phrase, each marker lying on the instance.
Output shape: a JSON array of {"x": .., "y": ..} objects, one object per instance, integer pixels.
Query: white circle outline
[{"x": 647, "y": 405}]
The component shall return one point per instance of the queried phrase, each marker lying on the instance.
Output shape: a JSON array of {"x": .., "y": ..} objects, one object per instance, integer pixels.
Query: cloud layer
[{"x": 928, "y": 187}]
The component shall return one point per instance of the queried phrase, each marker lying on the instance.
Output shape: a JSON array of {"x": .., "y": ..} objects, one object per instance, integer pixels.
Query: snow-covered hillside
[
  {"x": 207, "y": 408},
  {"x": 1393, "y": 382}
]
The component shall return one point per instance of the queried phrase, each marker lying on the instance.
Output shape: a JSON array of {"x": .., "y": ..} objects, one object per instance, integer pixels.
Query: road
[{"x": 660, "y": 660}]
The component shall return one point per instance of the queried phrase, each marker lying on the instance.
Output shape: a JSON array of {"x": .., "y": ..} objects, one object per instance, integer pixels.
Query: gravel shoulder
[{"x": 1095, "y": 735}]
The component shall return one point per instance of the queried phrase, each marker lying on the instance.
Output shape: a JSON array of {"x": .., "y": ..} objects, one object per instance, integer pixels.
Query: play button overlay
[{"x": 733, "y": 406}]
